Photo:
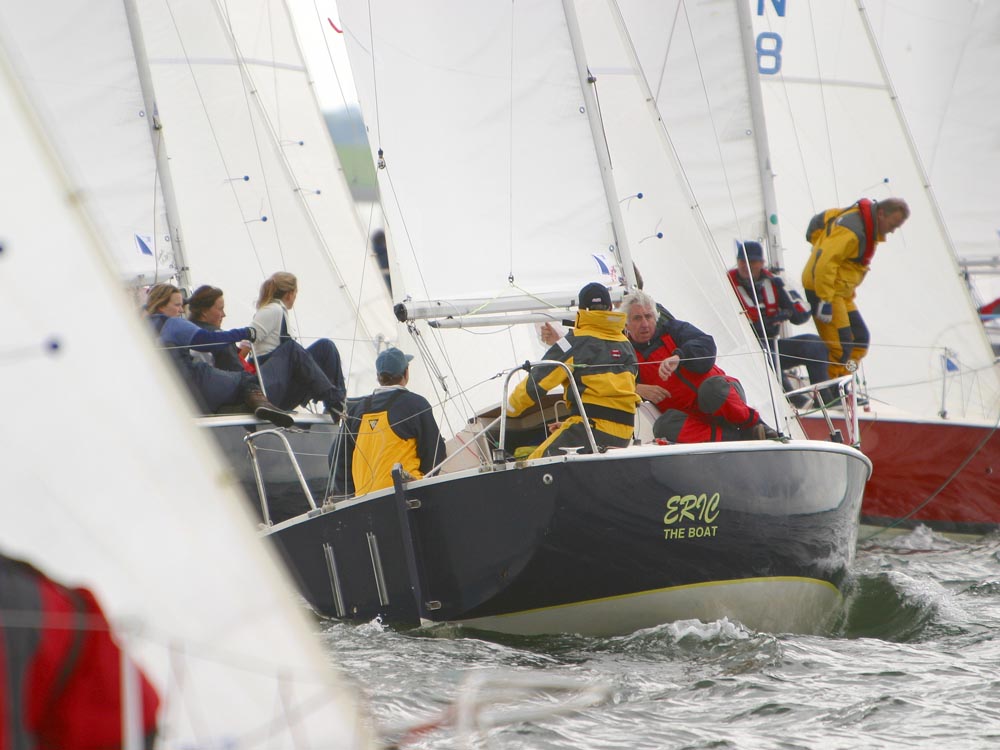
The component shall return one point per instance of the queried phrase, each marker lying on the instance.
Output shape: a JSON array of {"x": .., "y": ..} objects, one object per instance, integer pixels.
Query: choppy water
[{"x": 914, "y": 661}]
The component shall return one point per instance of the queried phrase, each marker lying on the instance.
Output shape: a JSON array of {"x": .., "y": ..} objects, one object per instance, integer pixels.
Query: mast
[
  {"x": 766, "y": 174},
  {"x": 159, "y": 149},
  {"x": 622, "y": 251}
]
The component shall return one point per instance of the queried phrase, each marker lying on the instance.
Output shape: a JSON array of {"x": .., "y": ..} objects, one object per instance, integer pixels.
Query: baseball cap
[{"x": 392, "y": 362}]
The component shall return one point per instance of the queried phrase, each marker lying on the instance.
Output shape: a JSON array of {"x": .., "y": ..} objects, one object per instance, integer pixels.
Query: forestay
[{"x": 107, "y": 483}]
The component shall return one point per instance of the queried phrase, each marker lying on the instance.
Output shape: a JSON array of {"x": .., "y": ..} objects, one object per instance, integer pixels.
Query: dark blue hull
[{"x": 603, "y": 544}]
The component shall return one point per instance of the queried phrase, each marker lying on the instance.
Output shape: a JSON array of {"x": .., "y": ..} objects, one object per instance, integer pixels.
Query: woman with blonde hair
[{"x": 298, "y": 374}]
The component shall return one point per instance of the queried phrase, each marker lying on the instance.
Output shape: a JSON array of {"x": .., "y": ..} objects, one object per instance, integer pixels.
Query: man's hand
[
  {"x": 652, "y": 393},
  {"x": 668, "y": 365},
  {"x": 824, "y": 313},
  {"x": 780, "y": 316},
  {"x": 549, "y": 334}
]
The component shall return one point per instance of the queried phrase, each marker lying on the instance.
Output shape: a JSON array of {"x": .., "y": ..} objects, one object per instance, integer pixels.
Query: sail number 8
[{"x": 768, "y": 53}]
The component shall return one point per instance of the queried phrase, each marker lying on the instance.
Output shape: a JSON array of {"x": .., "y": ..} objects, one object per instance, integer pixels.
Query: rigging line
[
  {"x": 274, "y": 67},
  {"x": 436, "y": 335},
  {"x": 715, "y": 127},
  {"x": 666, "y": 52},
  {"x": 665, "y": 138},
  {"x": 951, "y": 477},
  {"x": 356, "y": 120},
  {"x": 510, "y": 153},
  {"x": 371, "y": 46},
  {"x": 783, "y": 86},
  {"x": 211, "y": 127},
  {"x": 156, "y": 181},
  {"x": 365, "y": 263},
  {"x": 438, "y": 380},
  {"x": 250, "y": 90},
  {"x": 826, "y": 113}
]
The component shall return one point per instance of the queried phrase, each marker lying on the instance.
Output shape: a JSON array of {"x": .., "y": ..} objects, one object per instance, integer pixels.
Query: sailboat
[
  {"x": 202, "y": 154},
  {"x": 935, "y": 392},
  {"x": 98, "y": 492},
  {"x": 500, "y": 200},
  {"x": 782, "y": 89}
]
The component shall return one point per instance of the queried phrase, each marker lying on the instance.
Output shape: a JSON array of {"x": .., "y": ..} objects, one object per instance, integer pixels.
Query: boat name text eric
[{"x": 700, "y": 510}]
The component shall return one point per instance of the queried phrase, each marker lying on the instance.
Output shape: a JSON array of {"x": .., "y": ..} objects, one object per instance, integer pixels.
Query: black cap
[
  {"x": 594, "y": 296},
  {"x": 749, "y": 250}
]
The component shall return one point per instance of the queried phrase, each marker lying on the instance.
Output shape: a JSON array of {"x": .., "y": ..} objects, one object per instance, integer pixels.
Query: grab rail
[
  {"x": 847, "y": 391},
  {"x": 259, "y": 477},
  {"x": 528, "y": 367}
]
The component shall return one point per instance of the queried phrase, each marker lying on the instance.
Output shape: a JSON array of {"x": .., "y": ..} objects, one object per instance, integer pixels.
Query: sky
[{"x": 324, "y": 51}]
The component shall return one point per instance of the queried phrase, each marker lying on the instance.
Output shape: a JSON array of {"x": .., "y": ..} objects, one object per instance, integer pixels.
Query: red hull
[{"x": 912, "y": 461}]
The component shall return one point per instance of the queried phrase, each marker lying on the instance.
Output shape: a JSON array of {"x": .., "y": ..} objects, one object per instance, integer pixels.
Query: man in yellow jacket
[
  {"x": 392, "y": 425},
  {"x": 843, "y": 244},
  {"x": 604, "y": 368}
]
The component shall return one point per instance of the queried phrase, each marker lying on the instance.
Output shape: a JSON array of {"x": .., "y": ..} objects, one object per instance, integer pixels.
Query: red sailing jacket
[
  {"x": 697, "y": 352},
  {"x": 60, "y": 670}
]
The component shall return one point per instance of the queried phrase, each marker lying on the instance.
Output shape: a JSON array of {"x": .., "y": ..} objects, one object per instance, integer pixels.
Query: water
[{"x": 912, "y": 662}]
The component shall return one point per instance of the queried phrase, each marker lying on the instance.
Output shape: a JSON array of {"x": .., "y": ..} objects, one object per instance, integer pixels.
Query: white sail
[
  {"x": 258, "y": 183},
  {"x": 491, "y": 184},
  {"x": 693, "y": 58},
  {"x": 836, "y": 136},
  {"x": 685, "y": 269},
  {"x": 80, "y": 67},
  {"x": 943, "y": 60},
  {"x": 108, "y": 484}
]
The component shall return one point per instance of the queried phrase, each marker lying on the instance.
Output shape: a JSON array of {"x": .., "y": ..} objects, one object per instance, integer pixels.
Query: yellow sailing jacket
[
  {"x": 838, "y": 264},
  {"x": 392, "y": 425},
  {"x": 604, "y": 367}
]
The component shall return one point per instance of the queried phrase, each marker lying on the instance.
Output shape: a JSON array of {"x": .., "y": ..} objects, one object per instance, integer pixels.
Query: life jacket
[
  {"x": 377, "y": 448},
  {"x": 868, "y": 252},
  {"x": 682, "y": 384},
  {"x": 767, "y": 298}
]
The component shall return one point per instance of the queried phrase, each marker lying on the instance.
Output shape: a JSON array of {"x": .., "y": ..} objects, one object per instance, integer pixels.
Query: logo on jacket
[
  {"x": 372, "y": 424},
  {"x": 616, "y": 353}
]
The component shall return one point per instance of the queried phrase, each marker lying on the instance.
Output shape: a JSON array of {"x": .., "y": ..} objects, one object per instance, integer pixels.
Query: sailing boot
[{"x": 266, "y": 411}]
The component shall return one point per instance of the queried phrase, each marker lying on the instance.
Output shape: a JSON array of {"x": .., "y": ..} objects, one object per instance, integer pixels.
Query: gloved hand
[
  {"x": 251, "y": 334},
  {"x": 780, "y": 316},
  {"x": 824, "y": 313}
]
